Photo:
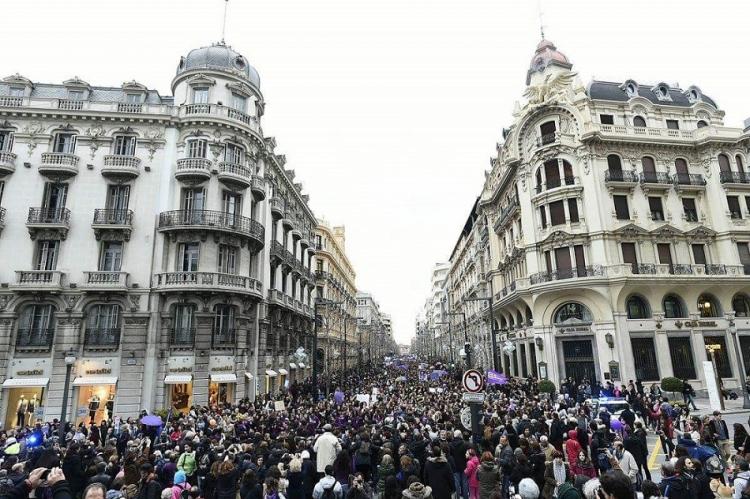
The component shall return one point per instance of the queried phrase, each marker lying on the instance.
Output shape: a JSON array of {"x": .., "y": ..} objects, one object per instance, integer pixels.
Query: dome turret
[
  {"x": 219, "y": 57},
  {"x": 546, "y": 55}
]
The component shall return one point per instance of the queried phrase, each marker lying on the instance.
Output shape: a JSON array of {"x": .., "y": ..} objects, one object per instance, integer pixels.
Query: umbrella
[{"x": 152, "y": 420}]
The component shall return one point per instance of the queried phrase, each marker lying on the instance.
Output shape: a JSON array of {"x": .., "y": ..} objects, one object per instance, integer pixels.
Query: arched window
[
  {"x": 568, "y": 173},
  {"x": 673, "y": 308},
  {"x": 637, "y": 308},
  {"x": 503, "y": 323},
  {"x": 552, "y": 174},
  {"x": 724, "y": 163},
  {"x": 519, "y": 318},
  {"x": 741, "y": 305},
  {"x": 36, "y": 327},
  {"x": 539, "y": 180},
  {"x": 708, "y": 306},
  {"x": 529, "y": 317},
  {"x": 572, "y": 313},
  {"x": 639, "y": 121},
  {"x": 648, "y": 165},
  {"x": 681, "y": 167},
  {"x": 103, "y": 325},
  {"x": 740, "y": 164},
  {"x": 614, "y": 164},
  {"x": 702, "y": 124}
]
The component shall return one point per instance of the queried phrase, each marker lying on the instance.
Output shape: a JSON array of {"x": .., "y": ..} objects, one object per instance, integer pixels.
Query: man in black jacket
[
  {"x": 101, "y": 476},
  {"x": 148, "y": 487},
  {"x": 458, "y": 451},
  {"x": 720, "y": 433}
]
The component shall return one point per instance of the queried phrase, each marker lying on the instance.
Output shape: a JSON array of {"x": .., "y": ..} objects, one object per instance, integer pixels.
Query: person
[
  {"x": 458, "y": 451},
  {"x": 308, "y": 473},
  {"x": 326, "y": 447},
  {"x": 742, "y": 479},
  {"x": 418, "y": 490},
  {"x": 187, "y": 463},
  {"x": 180, "y": 485},
  {"x": 720, "y": 433},
  {"x": 528, "y": 489},
  {"x": 148, "y": 486},
  {"x": 521, "y": 470},
  {"x": 385, "y": 470},
  {"x": 101, "y": 476},
  {"x": 226, "y": 482},
  {"x": 438, "y": 474},
  {"x": 672, "y": 485},
  {"x": 741, "y": 444},
  {"x": 470, "y": 471},
  {"x": 584, "y": 466},
  {"x": 627, "y": 462},
  {"x": 250, "y": 488},
  {"x": 295, "y": 489},
  {"x": 95, "y": 490},
  {"x": 328, "y": 487},
  {"x": 687, "y": 394},
  {"x": 616, "y": 485},
  {"x": 506, "y": 459},
  {"x": 556, "y": 473},
  {"x": 488, "y": 476}
]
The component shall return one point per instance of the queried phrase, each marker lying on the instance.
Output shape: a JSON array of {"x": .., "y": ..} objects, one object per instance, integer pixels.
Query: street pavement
[{"x": 733, "y": 413}]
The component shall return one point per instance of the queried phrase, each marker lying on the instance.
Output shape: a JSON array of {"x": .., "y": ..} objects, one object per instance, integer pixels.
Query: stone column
[
  {"x": 203, "y": 334},
  {"x": 130, "y": 385},
  {"x": 6, "y": 335}
]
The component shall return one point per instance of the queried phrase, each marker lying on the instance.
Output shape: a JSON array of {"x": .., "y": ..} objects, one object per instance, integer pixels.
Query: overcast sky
[{"x": 388, "y": 110}]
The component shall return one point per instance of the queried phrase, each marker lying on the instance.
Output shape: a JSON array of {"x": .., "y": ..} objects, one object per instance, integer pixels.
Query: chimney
[{"x": 340, "y": 236}]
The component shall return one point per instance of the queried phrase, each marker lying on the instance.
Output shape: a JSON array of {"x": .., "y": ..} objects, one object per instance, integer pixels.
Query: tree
[
  {"x": 546, "y": 386},
  {"x": 671, "y": 384}
]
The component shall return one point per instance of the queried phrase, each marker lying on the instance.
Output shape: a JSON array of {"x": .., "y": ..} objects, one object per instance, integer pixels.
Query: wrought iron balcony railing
[
  {"x": 35, "y": 338},
  {"x": 102, "y": 338}
]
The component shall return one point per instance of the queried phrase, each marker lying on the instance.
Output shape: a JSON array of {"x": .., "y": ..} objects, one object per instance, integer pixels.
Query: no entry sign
[{"x": 473, "y": 381}]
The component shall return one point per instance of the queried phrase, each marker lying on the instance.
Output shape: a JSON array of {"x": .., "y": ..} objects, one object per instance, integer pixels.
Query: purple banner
[
  {"x": 496, "y": 378},
  {"x": 437, "y": 374},
  {"x": 422, "y": 376}
]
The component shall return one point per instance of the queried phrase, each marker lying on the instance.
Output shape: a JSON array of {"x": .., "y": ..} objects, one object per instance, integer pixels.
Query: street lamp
[
  {"x": 467, "y": 348},
  {"x": 319, "y": 302},
  {"x": 492, "y": 327},
  {"x": 70, "y": 360},
  {"x": 740, "y": 363}
]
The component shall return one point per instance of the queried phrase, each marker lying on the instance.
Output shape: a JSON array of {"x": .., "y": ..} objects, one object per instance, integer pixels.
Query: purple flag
[
  {"x": 496, "y": 378},
  {"x": 338, "y": 396}
]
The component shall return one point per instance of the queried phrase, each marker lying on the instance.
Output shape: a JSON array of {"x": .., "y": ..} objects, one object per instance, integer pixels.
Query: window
[
  {"x": 747, "y": 203},
  {"x": 614, "y": 164},
  {"x": 741, "y": 305},
  {"x": 644, "y": 357},
  {"x": 688, "y": 208},
  {"x": 65, "y": 143},
  {"x": 681, "y": 167},
  {"x": 648, "y": 165},
  {"x": 735, "y": 212},
  {"x": 17, "y": 91},
  {"x": 189, "y": 254},
  {"x": 606, "y": 119},
  {"x": 657, "y": 212},
  {"x": 193, "y": 200},
  {"x": 737, "y": 159},
  {"x": 6, "y": 141},
  {"x": 104, "y": 317},
  {"x": 573, "y": 210},
  {"x": 46, "y": 255},
  {"x": 621, "y": 207},
  {"x": 744, "y": 252},
  {"x": 197, "y": 148},
  {"x": 572, "y": 313},
  {"x": 639, "y": 121},
  {"x": 200, "y": 95},
  {"x": 552, "y": 174},
  {"x": 702, "y": 124},
  {"x": 2, "y": 188},
  {"x": 223, "y": 319},
  {"x": 227, "y": 259},
  {"x": 234, "y": 154},
  {"x": 637, "y": 308},
  {"x": 183, "y": 324},
  {"x": 75, "y": 94},
  {"x": 664, "y": 251},
  {"x": 681, "y": 353},
  {"x": 55, "y": 196},
  {"x": 723, "y": 368},
  {"x": 708, "y": 306},
  {"x": 724, "y": 163},
  {"x": 629, "y": 255},
  {"x": 547, "y": 131},
  {"x": 36, "y": 326},
  {"x": 110, "y": 259},
  {"x": 557, "y": 213},
  {"x": 699, "y": 254},
  {"x": 124, "y": 145},
  {"x": 239, "y": 102},
  {"x": 133, "y": 98},
  {"x": 118, "y": 196},
  {"x": 673, "y": 308},
  {"x": 673, "y": 124}
]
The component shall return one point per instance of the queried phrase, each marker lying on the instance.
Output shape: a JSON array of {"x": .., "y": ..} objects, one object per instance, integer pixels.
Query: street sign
[
  {"x": 473, "y": 381},
  {"x": 473, "y": 397},
  {"x": 466, "y": 418}
]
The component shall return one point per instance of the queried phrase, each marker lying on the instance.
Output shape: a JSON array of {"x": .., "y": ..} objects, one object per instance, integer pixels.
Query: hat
[
  {"x": 418, "y": 491},
  {"x": 528, "y": 489},
  {"x": 305, "y": 454},
  {"x": 327, "y": 427},
  {"x": 179, "y": 477}
]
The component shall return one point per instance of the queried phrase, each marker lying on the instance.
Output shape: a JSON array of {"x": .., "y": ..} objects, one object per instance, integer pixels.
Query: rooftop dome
[
  {"x": 546, "y": 54},
  {"x": 219, "y": 57}
]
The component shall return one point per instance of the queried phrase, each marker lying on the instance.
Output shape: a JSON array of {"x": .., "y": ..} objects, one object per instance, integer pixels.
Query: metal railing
[
  {"x": 225, "y": 338},
  {"x": 113, "y": 217},
  {"x": 716, "y": 269},
  {"x": 689, "y": 179},
  {"x": 680, "y": 268},
  {"x": 182, "y": 337},
  {"x": 102, "y": 337},
  {"x": 559, "y": 274},
  {"x": 547, "y": 138},
  {"x": 212, "y": 219},
  {"x": 2, "y": 217},
  {"x": 35, "y": 338},
  {"x": 277, "y": 204},
  {"x": 44, "y": 215},
  {"x": 734, "y": 178},
  {"x": 620, "y": 176},
  {"x": 655, "y": 178},
  {"x": 644, "y": 268}
]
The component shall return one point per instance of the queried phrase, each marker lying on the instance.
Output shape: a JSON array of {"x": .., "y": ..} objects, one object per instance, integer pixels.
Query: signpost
[{"x": 473, "y": 383}]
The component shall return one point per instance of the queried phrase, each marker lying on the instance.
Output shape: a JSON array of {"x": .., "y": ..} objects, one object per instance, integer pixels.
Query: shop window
[
  {"x": 220, "y": 393},
  {"x": 23, "y": 405},
  {"x": 95, "y": 403},
  {"x": 681, "y": 353},
  {"x": 644, "y": 359}
]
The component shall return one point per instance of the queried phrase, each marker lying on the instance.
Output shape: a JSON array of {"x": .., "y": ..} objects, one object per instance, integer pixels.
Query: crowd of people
[{"x": 388, "y": 432}]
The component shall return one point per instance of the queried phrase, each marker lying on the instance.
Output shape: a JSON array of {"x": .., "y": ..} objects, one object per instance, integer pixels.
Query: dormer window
[
  {"x": 639, "y": 121},
  {"x": 702, "y": 124},
  {"x": 631, "y": 90},
  {"x": 75, "y": 95},
  {"x": 132, "y": 98},
  {"x": 125, "y": 145},
  {"x": 693, "y": 96},
  {"x": 663, "y": 92},
  {"x": 200, "y": 95},
  {"x": 17, "y": 91}
]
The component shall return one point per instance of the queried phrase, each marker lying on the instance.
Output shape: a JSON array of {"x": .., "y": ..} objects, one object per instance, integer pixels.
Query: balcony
[
  {"x": 277, "y": 252},
  {"x": 556, "y": 183},
  {"x": 105, "y": 280},
  {"x": 505, "y": 214},
  {"x": 614, "y": 179},
  {"x": 39, "y": 280},
  {"x": 223, "y": 339},
  {"x": 287, "y": 223},
  {"x": 7, "y": 101},
  {"x": 213, "y": 221},
  {"x": 640, "y": 134},
  {"x": 2, "y": 218},
  {"x": 112, "y": 224},
  {"x": 7, "y": 162},
  {"x": 207, "y": 281},
  {"x": 69, "y": 105},
  {"x": 58, "y": 165},
  {"x": 102, "y": 339},
  {"x": 39, "y": 340},
  {"x": 182, "y": 338},
  {"x": 258, "y": 187},
  {"x": 740, "y": 180},
  {"x": 277, "y": 207},
  {"x": 220, "y": 112},
  {"x": 689, "y": 182},
  {"x": 124, "y": 107},
  {"x": 655, "y": 181},
  {"x": 235, "y": 175},
  {"x": 52, "y": 223},
  {"x": 121, "y": 167},
  {"x": 193, "y": 170},
  {"x": 572, "y": 273},
  {"x": 275, "y": 297}
]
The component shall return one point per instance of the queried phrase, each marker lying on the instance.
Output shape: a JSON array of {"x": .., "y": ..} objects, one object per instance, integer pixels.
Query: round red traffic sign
[{"x": 473, "y": 381}]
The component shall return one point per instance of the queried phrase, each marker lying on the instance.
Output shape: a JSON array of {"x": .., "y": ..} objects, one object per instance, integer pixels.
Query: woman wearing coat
[
  {"x": 489, "y": 477},
  {"x": 438, "y": 475},
  {"x": 472, "y": 465},
  {"x": 556, "y": 473}
]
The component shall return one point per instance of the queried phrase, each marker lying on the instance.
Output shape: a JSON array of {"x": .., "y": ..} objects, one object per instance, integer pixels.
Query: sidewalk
[{"x": 730, "y": 407}]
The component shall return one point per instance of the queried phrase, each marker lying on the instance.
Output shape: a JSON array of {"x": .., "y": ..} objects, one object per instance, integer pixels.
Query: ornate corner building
[
  {"x": 158, "y": 244},
  {"x": 617, "y": 233}
]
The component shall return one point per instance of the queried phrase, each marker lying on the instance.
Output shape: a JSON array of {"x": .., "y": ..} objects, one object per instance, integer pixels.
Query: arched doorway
[{"x": 573, "y": 318}]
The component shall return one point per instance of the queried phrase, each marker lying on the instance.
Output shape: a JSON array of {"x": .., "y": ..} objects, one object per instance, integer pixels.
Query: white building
[{"x": 157, "y": 243}]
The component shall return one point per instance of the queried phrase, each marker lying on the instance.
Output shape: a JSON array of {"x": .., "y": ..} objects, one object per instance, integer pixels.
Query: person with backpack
[
  {"x": 187, "y": 463},
  {"x": 489, "y": 477},
  {"x": 363, "y": 455},
  {"x": 556, "y": 473},
  {"x": 328, "y": 487},
  {"x": 181, "y": 488},
  {"x": 470, "y": 471}
]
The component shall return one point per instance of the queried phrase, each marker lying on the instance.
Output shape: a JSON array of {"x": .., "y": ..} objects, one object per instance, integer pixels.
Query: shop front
[
  {"x": 179, "y": 383},
  {"x": 223, "y": 381},
  {"x": 24, "y": 391},
  {"x": 95, "y": 389}
]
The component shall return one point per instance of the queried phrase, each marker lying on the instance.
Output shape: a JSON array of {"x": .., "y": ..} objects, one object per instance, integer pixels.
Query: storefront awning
[
  {"x": 301, "y": 365},
  {"x": 223, "y": 378},
  {"x": 249, "y": 375},
  {"x": 271, "y": 373},
  {"x": 95, "y": 380},
  {"x": 283, "y": 372},
  {"x": 178, "y": 379},
  {"x": 25, "y": 382},
  {"x": 292, "y": 366}
]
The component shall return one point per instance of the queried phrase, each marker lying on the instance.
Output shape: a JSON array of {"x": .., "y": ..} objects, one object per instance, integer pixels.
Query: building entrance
[{"x": 579, "y": 360}]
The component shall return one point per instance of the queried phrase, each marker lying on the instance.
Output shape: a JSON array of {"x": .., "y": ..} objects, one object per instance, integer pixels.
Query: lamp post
[
  {"x": 319, "y": 302},
  {"x": 740, "y": 363},
  {"x": 70, "y": 360},
  {"x": 467, "y": 347},
  {"x": 492, "y": 327}
]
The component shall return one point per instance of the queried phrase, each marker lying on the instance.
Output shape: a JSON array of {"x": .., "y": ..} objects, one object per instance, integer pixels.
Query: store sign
[
  {"x": 38, "y": 368},
  {"x": 573, "y": 329},
  {"x": 99, "y": 366},
  {"x": 177, "y": 365},
  {"x": 700, "y": 324},
  {"x": 221, "y": 363},
  {"x": 31, "y": 372},
  {"x": 97, "y": 372}
]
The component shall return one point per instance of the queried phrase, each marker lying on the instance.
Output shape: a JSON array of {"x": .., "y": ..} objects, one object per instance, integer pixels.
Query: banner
[
  {"x": 435, "y": 375},
  {"x": 422, "y": 376},
  {"x": 496, "y": 378},
  {"x": 279, "y": 405},
  {"x": 363, "y": 397}
]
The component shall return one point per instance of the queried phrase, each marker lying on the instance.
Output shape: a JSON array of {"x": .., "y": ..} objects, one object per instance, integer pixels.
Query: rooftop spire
[
  {"x": 541, "y": 25},
  {"x": 224, "y": 24}
]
